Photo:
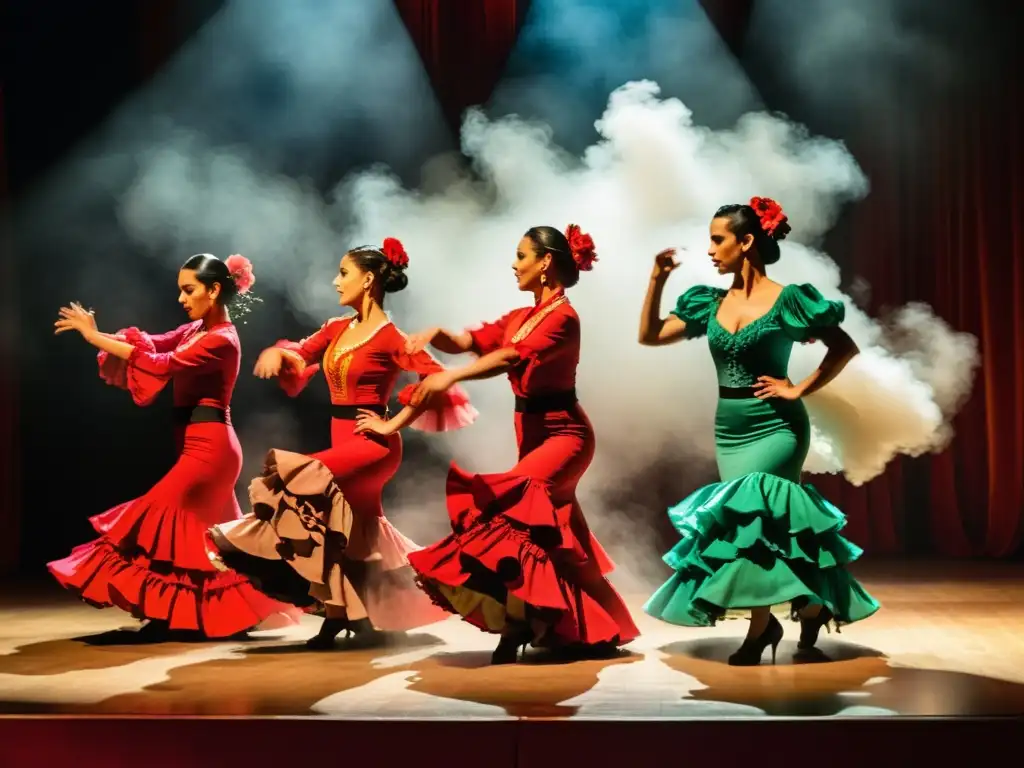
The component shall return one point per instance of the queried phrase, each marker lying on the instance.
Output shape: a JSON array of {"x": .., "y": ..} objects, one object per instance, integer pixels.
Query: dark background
[{"x": 942, "y": 225}]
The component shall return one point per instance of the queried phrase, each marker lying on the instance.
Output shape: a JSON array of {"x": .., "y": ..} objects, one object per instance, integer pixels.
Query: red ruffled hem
[
  {"x": 165, "y": 534},
  {"x": 509, "y": 537},
  {"x": 218, "y": 605},
  {"x": 450, "y": 410}
]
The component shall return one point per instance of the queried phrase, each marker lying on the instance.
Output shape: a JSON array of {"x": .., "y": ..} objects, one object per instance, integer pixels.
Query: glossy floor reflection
[{"x": 949, "y": 641}]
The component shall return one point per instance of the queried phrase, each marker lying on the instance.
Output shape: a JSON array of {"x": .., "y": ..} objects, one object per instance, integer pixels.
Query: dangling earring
[{"x": 543, "y": 279}]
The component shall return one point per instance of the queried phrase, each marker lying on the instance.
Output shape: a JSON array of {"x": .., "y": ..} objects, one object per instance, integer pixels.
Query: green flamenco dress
[{"x": 759, "y": 537}]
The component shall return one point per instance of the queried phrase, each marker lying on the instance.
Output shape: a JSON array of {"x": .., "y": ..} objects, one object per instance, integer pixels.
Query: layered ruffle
[
  {"x": 113, "y": 370},
  {"x": 295, "y": 536},
  {"x": 304, "y": 545},
  {"x": 150, "y": 561},
  {"x": 506, "y": 561},
  {"x": 216, "y": 605},
  {"x": 757, "y": 541},
  {"x": 446, "y": 412}
]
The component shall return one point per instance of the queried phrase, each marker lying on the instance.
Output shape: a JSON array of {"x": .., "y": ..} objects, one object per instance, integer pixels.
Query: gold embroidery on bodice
[
  {"x": 528, "y": 327},
  {"x": 338, "y": 359}
]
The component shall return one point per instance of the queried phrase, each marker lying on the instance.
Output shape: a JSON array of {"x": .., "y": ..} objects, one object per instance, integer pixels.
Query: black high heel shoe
[
  {"x": 331, "y": 628},
  {"x": 507, "y": 651},
  {"x": 810, "y": 628},
  {"x": 749, "y": 654}
]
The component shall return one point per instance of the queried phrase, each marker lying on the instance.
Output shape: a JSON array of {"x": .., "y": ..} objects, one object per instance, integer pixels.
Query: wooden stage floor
[{"x": 949, "y": 641}]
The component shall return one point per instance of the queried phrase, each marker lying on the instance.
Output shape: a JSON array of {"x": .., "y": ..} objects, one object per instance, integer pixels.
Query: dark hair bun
[{"x": 395, "y": 279}]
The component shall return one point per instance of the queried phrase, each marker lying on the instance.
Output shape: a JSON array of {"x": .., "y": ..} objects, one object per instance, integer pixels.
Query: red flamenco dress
[
  {"x": 317, "y": 535},
  {"x": 521, "y": 554},
  {"x": 150, "y": 558}
]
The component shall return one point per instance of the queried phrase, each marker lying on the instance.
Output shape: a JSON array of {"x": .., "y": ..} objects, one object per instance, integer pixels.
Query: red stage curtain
[
  {"x": 464, "y": 46},
  {"x": 948, "y": 231}
]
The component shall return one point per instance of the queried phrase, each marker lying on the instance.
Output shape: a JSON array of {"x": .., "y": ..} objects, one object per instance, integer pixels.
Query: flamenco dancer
[
  {"x": 521, "y": 560},
  {"x": 758, "y": 538},
  {"x": 317, "y": 535},
  {"x": 150, "y": 558}
]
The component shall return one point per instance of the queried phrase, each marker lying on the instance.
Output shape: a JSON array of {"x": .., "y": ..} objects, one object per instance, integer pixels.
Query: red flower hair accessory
[
  {"x": 240, "y": 269},
  {"x": 773, "y": 221},
  {"x": 394, "y": 252},
  {"x": 581, "y": 246}
]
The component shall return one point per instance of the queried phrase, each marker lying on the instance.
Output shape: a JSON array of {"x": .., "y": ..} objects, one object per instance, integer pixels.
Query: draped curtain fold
[{"x": 464, "y": 46}]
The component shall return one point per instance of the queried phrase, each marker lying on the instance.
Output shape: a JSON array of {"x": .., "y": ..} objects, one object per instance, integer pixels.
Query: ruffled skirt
[
  {"x": 758, "y": 541},
  {"x": 514, "y": 557},
  {"x": 760, "y": 538},
  {"x": 150, "y": 558},
  {"x": 305, "y": 545}
]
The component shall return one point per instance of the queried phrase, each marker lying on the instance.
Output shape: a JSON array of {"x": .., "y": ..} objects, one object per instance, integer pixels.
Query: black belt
[
  {"x": 350, "y": 412},
  {"x": 555, "y": 401},
  {"x": 199, "y": 414},
  {"x": 736, "y": 393}
]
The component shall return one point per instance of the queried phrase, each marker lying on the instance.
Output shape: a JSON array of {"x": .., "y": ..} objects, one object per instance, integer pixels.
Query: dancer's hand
[
  {"x": 432, "y": 385},
  {"x": 417, "y": 342},
  {"x": 664, "y": 263},
  {"x": 75, "y": 318},
  {"x": 767, "y": 387},
  {"x": 368, "y": 421},
  {"x": 268, "y": 364}
]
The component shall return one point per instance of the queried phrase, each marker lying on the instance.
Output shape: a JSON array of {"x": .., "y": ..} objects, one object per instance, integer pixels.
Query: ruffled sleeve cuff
[
  {"x": 112, "y": 369},
  {"x": 805, "y": 312},
  {"x": 295, "y": 372},
  {"x": 447, "y": 412}
]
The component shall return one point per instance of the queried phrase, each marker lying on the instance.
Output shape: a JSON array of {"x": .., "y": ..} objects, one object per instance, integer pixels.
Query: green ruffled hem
[{"x": 758, "y": 541}]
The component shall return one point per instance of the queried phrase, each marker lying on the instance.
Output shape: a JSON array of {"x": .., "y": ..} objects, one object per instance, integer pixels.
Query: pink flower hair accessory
[{"x": 240, "y": 269}]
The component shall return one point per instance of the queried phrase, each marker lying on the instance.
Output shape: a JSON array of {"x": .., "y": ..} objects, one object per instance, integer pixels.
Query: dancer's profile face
[
  {"x": 727, "y": 252},
  {"x": 195, "y": 297},
  {"x": 529, "y": 265},
  {"x": 351, "y": 283}
]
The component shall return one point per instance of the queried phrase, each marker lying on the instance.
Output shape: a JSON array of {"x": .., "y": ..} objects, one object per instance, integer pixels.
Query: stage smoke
[{"x": 652, "y": 181}]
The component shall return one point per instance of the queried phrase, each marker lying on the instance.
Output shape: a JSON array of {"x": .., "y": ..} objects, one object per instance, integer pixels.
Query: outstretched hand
[
  {"x": 268, "y": 364},
  {"x": 75, "y": 318}
]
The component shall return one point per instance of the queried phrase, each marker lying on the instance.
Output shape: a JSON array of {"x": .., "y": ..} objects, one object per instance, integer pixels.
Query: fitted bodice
[
  {"x": 760, "y": 348},
  {"x": 763, "y": 347}
]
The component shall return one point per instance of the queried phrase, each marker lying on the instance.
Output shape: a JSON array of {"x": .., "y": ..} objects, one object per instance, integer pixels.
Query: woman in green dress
[{"x": 759, "y": 537}]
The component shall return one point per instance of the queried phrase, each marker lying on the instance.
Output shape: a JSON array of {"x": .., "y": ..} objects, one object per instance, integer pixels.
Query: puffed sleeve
[
  {"x": 149, "y": 371},
  {"x": 804, "y": 312},
  {"x": 300, "y": 357},
  {"x": 448, "y": 411},
  {"x": 488, "y": 337},
  {"x": 114, "y": 370},
  {"x": 696, "y": 308}
]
